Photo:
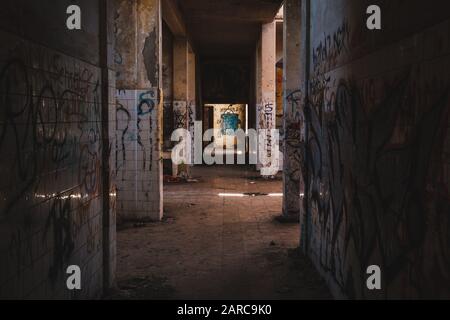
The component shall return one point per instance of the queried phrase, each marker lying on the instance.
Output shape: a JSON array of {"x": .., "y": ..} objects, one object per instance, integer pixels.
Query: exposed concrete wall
[
  {"x": 167, "y": 78},
  {"x": 266, "y": 111},
  {"x": 139, "y": 109},
  {"x": 257, "y": 73},
  {"x": 180, "y": 55},
  {"x": 109, "y": 135},
  {"x": 378, "y": 148},
  {"x": 293, "y": 120},
  {"x": 180, "y": 52},
  {"x": 191, "y": 95},
  {"x": 180, "y": 104},
  {"x": 279, "y": 73},
  {"x": 52, "y": 193},
  {"x": 279, "y": 40},
  {"x": 137, "y": 49},
  {"x": 185, "y": 90},
  {"x": 252, "y": 94},
  {"x": 268, "y": 61}
]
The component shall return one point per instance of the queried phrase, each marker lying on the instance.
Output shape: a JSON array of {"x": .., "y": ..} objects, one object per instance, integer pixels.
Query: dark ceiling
[{"x": 227, "y": 28}]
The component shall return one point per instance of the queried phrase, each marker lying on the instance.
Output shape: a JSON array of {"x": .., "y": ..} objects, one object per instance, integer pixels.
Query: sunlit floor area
[{"x": 219, "y": 240}]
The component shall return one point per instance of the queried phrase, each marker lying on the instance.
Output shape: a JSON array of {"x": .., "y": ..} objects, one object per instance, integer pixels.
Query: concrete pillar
[
  {"x": 258, "y": 80},
  {"x": 191, "y": 96},
  {"x": 180, "y": 54},
  {"x": 293, "y": 121},
  {"x": 106, "y": 27},
  {"x": 167, "y": 69},
  {"x": 305, "y": 29},
  {"x": 139, "y": 110},
  {"x": 180, "y": 87},
  {"x": 266, "y": 112}
]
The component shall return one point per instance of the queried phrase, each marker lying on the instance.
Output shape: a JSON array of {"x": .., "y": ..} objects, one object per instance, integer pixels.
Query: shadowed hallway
[
  {"x": 115, "y": 116},
  {"x": 213, "y": 247}
]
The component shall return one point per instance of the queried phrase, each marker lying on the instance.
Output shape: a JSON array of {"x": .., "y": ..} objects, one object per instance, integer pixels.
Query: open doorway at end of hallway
[{"x": 219, "y": 240}]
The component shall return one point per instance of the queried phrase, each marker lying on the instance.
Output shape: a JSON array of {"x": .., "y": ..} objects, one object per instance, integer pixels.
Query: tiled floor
[{"x": 213, "y": 247}]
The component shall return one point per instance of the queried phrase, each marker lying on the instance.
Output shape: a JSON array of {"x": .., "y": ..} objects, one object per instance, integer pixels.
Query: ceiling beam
[{"x": 173, "y": 17}]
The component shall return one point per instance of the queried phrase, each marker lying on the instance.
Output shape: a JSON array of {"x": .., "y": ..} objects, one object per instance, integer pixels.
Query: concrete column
[
  {"x": 191, "y": 96},
  {"x": 293, "y": 121},
  {"x": 167, "y": 60},
  {"x": 305, "y": 50},
  {"x": 266, "y": 113},
  {"x": 258, "y": 80},
  {"x": 106, "y": 27},
  {"x": 180, "y": 87},
  {"x": 180, "y": 54},
  {"x": 139, "y": 110}
]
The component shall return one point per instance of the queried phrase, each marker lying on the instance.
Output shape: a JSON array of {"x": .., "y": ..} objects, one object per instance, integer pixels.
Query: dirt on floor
[{"x": 214, "y": 244}]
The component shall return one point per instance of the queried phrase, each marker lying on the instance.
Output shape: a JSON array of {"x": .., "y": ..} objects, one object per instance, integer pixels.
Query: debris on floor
[
  {"x": 172, "y": 179},
  {"x": 210, "y": 248},
  {"x": 277, "y": 177}
]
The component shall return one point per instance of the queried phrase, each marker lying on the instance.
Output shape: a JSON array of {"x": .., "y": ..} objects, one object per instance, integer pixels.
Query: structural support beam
[
  {"x": 266, "y": 117},
  {"x": 293, "y": 185},
  {"x": 180, "y": 54},
  {"x": 173, "y": 17},
  {"x": 305, "y": 216},
  {"x": 191, "y": 95},
  {"x": 109, "y": 192},
  {"x": 180, "y": 92},
  {"x": 139, "y": 110}
]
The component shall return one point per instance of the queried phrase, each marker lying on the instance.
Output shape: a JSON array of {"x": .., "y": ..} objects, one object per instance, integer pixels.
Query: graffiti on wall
[
  {"x": 266, "y": 121},
  {"x": 168, "y": 122},
  {"x": 180, "y": 114},
  {"x": 135, "y": 123},
  {"x": 326, "y": 54},
  {"x": 191, "y": 126},
  {"x": 378, "y": 191},
  {"x": 293, "y": 161},
  {"x": 123, "y": 123},
  {"x": 145, "y": 126},
  {"x": 137, "y": 149},
  {"x": 229, "y": 120},
  {"x": 51, "y": 156}
]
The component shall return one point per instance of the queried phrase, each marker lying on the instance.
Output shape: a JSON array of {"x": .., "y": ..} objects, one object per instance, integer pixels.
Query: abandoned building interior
[{"x": 86, "y": 123}]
